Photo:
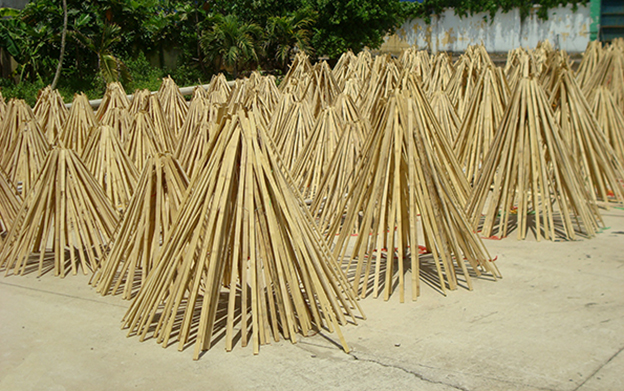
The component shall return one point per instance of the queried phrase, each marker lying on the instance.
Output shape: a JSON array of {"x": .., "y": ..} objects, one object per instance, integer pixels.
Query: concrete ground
[{"x": 554, "y": 322}]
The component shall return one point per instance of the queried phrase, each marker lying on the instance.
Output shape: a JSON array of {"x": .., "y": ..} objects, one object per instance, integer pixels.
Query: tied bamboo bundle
[
  {"x": 173, "y": 106},
  {"x": 610, "y": 119},
  {"x": 483, "y": 116},
  {"x": 120, "y": 119},
  {"x": 322, "y": 89},
  {"x": 142, "y": 141},
  {"x": 162, "y": 129},
  {"x": 196, "y": 146},
  {"x": 291, "y": 131},
  {"x": 311, "y": 164},
  {"x": 67, "y": 210},
  {"x": 343, "y": 69},
  {"x": 139, "y": 101},
  {"x": 599, "y": 166},
  {"x": 461, "y": 85},
  {"x": 609, "y": 73},
  {"x": 25, "y": 156},
  {"x": 346, "y": 108},
  {"x": 115, "y": 96},
  {"x": 445, "y": 114},
  {"x": 528, "y": 174},
  {"x": 416, "y": 62},
  {"x": 151, "y": 213},
  {"x": 10, "y": 203},
  {"x": 51, "y": 113},
  {"x": 591, "y": 58},
  {"x": 17, "y": 112},
  {"x": 218, "y": 89},
  {"x": 3, "y": 108},
  {"x": 300, "y": 69},
  {"x": 243, "y": 244},
  {"x": 401, "y": 176},
  {"x": 111, "y": 166},
  {"x": 441, "y": 73},
  {"x": 79, "y": 124},
  {"x": 385, "y": 77},
  {"x": 337, "y": 182}
]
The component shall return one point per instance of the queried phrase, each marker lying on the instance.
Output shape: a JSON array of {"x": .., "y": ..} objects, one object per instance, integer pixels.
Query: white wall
[{"x": 448, "y": 32}]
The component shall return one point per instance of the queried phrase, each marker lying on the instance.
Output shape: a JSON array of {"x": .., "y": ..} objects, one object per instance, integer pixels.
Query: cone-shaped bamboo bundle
[
  {"x": 340, "y": 174},
  {"x": 441, "y": 73},
  {"x": 602, "y": 172},
  {"x": 150, "y": 216},
  {"x": 610, "y": 119},
  {"x": 311, "y": 164},
  {"x": 17, "y": 112},
  {"x": 111, "y": 166},
  {"x": 218, "y": 90},
  {"x": 399, "y": 178},
  {"x": 346, "y": 108},
  {"x": 3, "y": 108},
  {"x": 461, "y": 85},
  {"x": 291, "y": 136},
  {"x": 25, "y": 156},
  {"x": 609, "y": 73},
  {"x": 445, "y": 114},
  {"x": 142, "y": 141},
  {"x": 51, "y": 113},
  {"x": 162, "y": 129},
  {"x": 520, "y": 64},
  {"x": 195, "y": 147},
  {"x": 120, "y": 119},
  {"x": 139, "y": 101},
  {"x": 241, "y": 226},
  {"x": 10, "y": 203},
  {"x": 380, "y": 85},
  {"x": 173, "y": 105},
  {"x": 322, "y": 89},
  {"x": 343, "y": 70},
  {"x": 115, "y": 96},
  {"x": 416, "y": 62},
  {"x": 79, "y": 124},
  {"x": 530, "y": 169},
  {"x": 558, "y": 62},
  {"x": 66, "y": 210},
  {"x": 591, "y": 58},
  {"x": 299, "y": 70},
  {"x": 483, "y": 116}
]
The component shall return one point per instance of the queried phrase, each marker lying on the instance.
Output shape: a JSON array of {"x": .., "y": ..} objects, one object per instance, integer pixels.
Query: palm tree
[
  {"x": 231, "y": 42},
  {"x": 286, "y": 34}
]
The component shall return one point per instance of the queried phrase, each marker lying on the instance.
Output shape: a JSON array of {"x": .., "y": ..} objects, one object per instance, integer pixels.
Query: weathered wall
[{"x": 448, "y": 32}]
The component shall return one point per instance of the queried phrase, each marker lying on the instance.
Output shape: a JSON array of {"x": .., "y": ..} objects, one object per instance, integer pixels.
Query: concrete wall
[{"x": 448, "y": 32}]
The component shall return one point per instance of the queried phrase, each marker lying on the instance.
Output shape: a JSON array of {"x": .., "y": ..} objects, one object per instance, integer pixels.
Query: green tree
[
  {"x": 231, "y": 42},
  {"x": 353, "y": 24},
  {"x": 285, "y": 34}
]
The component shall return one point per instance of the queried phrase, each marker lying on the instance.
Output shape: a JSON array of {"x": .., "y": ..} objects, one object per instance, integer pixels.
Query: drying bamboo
[
  {"x": 600, "y": 168},
  {"x": 120, "y": 119},
  {"x": 441, "y": 73},
  {"x": 322, "y": 89},
  {"x": 461, "y": 85},
  {"x": 528, "y": 170},
  {"x": 115, "y": 96},
  {"x": 483, "y": 116},
  {"x": 173, "y": 105},
  {"x": 400, "y": 177},
  {"x": 139, "y": 101},
  {"x": 10, "y": 203},
  {"x": 24, "y": 157},
  {"x": 243, "y": 242},
  {"x": 319, "y": 148},
  {"x": 445, "y": 114},
  {"x": 17, "y": 112},
  {"x": 51, "y": 113},
  {"x": 339, "y": 174},
  {"x": 345, "y": 106},
  {"x": 111, "y": 167},
  {"x": 150, "y": 216},
  {"x": 80, "y": 122},
  {"x": 300, "y": 69},
  {"x": 65, "y": 222},
  {"x": 218, "y": 89},
  {"x": 162, "y": 128},
  {"x": 142, "y": 141},
  {"x": 3, "y": 108},
  {"x": 610, "y": 119},
  {"x": 608, "y": 73},
  {"x": 591, "y": 58},
  {"x": 291, "y": 132},
  {"x": 343, "y": 70}
]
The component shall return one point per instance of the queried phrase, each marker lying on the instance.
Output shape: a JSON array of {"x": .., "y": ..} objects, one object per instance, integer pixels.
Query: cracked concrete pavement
[{"x": 554, "y": 322}]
